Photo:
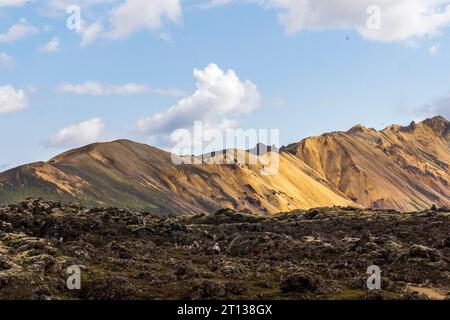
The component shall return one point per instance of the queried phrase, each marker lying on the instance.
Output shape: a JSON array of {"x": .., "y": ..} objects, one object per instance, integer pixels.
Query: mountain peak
[
  {"x": 116, "y": 148},
  {"x": 437, "y": 120},
  {"x": 438, "y": 124},
  {"x": 359, "y": 128},
  {"x": 261, "y": 149}
]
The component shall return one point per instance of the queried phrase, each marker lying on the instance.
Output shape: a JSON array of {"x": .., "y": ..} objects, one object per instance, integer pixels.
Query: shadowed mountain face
[{"x": 403, "y": 168}]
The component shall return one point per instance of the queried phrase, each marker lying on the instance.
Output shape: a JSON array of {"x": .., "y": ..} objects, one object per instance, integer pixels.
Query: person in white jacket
[{"x": 216, "y": 248}]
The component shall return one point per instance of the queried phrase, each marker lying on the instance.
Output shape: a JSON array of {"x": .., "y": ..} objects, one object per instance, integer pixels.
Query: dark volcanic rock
[
  {"x": 208, "y": 290},
  {"x": 419, "y": 251},
  {"x": 299, "y": 282},
  {"x": 321, "y": 253},
  {"x": 186, "y": 270},
  {"x": 446, "y": 242},
  {"x": 110, "y": 288}
]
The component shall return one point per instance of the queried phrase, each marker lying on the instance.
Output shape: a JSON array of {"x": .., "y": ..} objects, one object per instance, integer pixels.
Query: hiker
[
  {"x": 256, "y": 252},
  {"x": 216, "y": 248}
]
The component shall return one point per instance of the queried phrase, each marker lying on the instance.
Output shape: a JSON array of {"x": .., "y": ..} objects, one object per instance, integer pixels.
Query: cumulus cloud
[
  {"x": 135, "y": 15},
  {"x": 401, "y": 20},
  {"x": 124, "y": 17},
  {"x": 50, "y": 47},
  {"x": 220, "y": 95},
  {"x": 78, "y": 134},
  {"x": 6, "y": 61},
  {"x": 94, "y": 10},
  {"x": 95, "y": 88},
  {"x": 18, "y": 31},
  {"x": 12, "y": 99}
]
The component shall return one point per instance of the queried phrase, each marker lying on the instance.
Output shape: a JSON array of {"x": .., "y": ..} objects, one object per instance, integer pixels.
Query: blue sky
[{"x": 301, "y": 66}]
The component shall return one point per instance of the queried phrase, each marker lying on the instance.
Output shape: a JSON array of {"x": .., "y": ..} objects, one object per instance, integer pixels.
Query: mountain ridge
[
  {"x": 350, "y": 160},
  {"x": 400, "y": 167}
]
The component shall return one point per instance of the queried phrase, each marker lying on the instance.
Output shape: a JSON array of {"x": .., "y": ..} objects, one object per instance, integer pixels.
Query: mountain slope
[
  {"x": 128, "y": 174},
  {"x": 403, "y": 168}
]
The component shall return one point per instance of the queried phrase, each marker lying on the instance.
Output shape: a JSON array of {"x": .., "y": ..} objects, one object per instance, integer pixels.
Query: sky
[{"x": 76, "y": 72}]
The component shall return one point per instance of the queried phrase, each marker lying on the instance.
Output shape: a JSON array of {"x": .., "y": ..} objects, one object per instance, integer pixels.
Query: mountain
[
  {"x": 128, "y": 174},
  {"x": 402, "y": 168}
]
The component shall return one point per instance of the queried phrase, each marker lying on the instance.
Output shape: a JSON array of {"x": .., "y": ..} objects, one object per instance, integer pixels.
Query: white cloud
[
  {"x": 78, "y": 134},
  {"x": 125, "y": 17},
  {"x": 51, "y": 46},
  {"x": 401, "y": 20},
  {"x": 95, "y": 88},
  {"x": 219, "y": 95},
  {"x": 12, "y": 3},
  {"x": 93, "y": 10},
  {"x": 6, "y": 61},
  {"x": 434, "y": 49},
  {"x": 18, "y": 31},
  {"x": 11, "y": 99},
  {"x": 90, "y": 33},
  {"x": 135, "y": 15}
]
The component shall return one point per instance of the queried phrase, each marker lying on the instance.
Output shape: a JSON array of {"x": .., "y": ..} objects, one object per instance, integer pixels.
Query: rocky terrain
[{"x": 314, "y": 254}]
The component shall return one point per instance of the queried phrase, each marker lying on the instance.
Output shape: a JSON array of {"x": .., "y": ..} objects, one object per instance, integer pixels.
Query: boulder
[
  {"x": 299, "y": 282},
  {"x": 185, "y": 270},
  {"x": 208, "y": 289},
  {"x": 236, "y": 287},
  {"x": 423, "y": 252}
]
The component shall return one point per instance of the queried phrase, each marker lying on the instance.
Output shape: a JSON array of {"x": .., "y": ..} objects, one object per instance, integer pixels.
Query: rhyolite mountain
[{"x": 401, "y": 168}]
